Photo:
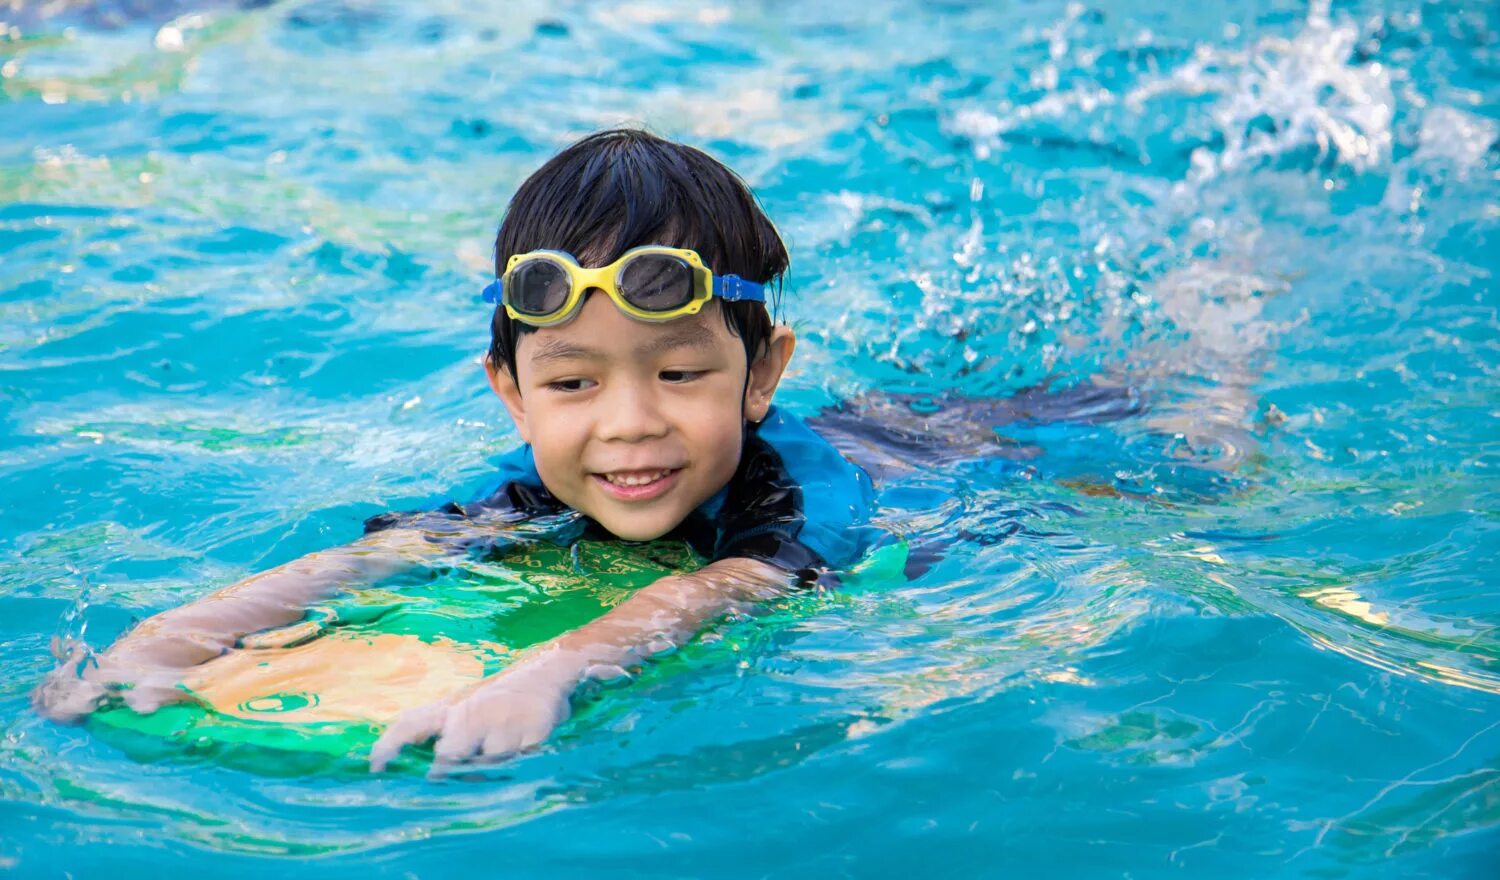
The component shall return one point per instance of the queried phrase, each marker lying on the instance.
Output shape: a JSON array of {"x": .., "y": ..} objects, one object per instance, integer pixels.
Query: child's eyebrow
[
  {"x": 690, "y": 336},
  {"x": 558, "y": 350}
]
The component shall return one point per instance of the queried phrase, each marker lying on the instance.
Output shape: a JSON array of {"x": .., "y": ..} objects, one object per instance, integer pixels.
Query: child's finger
[
  {"x": 147, "y": 697},
  {"x": 458, "y": 742},
  {"x": 410, "y": 727},
  {"x": 63, "y": 695},
  {"x": 153, "y": 688},
  {"x": 500, "y": 743}
]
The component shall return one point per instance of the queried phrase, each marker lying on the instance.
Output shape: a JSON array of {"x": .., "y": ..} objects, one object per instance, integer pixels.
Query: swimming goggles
[{"x": 651, "y": 283}]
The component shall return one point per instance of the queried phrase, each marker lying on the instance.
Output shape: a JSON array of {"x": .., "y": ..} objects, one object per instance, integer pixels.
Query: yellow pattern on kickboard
[{"x": 336, "y": 678}]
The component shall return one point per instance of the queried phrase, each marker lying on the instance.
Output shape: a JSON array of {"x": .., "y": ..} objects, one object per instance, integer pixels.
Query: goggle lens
[
  {"x": 656, "y": 282},
  {"x": 538, "y": 287}
]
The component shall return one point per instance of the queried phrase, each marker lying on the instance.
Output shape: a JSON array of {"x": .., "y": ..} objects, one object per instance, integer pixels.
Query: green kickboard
[{"x": 314, "y": 696}]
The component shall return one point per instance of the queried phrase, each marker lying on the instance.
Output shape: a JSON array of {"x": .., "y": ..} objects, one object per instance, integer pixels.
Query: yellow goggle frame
[
  {"x": 704, "y": 286},
  {"x": 607, "y": 279}
]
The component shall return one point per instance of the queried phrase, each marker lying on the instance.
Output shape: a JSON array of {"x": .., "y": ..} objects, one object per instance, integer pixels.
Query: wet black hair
[{"x": 624, "y": 188}]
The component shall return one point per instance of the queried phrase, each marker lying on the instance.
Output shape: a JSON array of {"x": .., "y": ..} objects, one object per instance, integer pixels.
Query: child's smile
[
  {"x": 635, "y": 424},
  {"x": 637, "y": 485}
]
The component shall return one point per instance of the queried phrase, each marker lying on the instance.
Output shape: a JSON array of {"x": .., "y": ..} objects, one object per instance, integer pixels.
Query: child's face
[{"x": 636, "y": 424}]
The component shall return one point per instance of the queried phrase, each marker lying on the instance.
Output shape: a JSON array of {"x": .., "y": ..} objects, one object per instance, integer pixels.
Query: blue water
[{"x": 1251, "y": 632}]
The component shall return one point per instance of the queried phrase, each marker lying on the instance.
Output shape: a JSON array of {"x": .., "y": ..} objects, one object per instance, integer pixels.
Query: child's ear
[
  {"x": 766, "y": 370},
  {"x": 509, "y": 391}
]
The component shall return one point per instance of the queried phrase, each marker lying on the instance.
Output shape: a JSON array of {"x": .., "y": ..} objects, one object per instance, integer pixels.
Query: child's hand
[
  {"x": 511, "y": 711},
  {"x": 80, "y": 684}
]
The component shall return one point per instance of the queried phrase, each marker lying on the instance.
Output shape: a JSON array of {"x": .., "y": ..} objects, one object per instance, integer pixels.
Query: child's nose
[{"x": 631, "y": 412}]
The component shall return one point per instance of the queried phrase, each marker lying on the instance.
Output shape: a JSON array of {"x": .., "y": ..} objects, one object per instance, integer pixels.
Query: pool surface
[{"x": 1251, "y": 631}]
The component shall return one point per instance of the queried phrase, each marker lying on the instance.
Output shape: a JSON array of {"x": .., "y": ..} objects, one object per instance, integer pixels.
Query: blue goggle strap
[
  {"x": 733, "y": 288},
  {"x": 730, "y": 288}
]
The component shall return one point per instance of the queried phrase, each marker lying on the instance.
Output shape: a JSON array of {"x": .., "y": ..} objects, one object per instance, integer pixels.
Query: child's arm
[
  {"x": 149, "y": 660},
  {"x": 519, "y": 706}
]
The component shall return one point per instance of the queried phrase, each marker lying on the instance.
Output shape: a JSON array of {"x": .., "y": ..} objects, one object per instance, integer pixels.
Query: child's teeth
[{"x": 635, "y": 479}]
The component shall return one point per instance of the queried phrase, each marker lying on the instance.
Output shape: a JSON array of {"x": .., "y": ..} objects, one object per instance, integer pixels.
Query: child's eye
[
  {"x": 569, "y": 385},
  {"x": 678, "y": 376}
]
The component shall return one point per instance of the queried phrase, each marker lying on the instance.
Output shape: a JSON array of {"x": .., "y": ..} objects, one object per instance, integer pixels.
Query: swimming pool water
[{"x": 1251, "y": 632}]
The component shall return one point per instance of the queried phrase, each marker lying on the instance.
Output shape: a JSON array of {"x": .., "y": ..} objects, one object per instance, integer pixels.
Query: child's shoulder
[
  {"x": 812, "y": 461},
  {"x": 794, "y": 484}
]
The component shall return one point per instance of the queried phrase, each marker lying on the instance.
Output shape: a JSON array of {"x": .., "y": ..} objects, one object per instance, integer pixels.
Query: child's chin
[{"x": 628, "y": 530}]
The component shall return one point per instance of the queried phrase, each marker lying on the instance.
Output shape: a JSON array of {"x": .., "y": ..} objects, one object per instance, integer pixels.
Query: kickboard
[{"x": 312, "y": 697}]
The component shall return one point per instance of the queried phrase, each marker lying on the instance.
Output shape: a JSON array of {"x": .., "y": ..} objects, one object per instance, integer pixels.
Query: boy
[{"x": 642, "y": 389}]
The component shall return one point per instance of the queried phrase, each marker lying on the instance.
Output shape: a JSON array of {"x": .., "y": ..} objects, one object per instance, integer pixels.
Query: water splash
[{"x": 1286, "y": 95}]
